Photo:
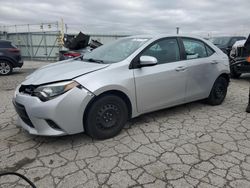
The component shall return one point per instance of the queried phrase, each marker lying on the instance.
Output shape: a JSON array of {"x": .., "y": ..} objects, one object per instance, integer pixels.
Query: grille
[
  {"x": 27, "y": 89},
  {"x": 20, "y": 109}
]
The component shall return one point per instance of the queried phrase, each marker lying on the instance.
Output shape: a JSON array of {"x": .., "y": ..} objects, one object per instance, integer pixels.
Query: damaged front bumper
[{"x": 59, "y": 116}]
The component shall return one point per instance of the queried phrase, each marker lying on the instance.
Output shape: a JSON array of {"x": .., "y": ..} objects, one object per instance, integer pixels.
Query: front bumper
[
  {"x": 241, "y": 65},
  {"x": 59, "y": 116}
]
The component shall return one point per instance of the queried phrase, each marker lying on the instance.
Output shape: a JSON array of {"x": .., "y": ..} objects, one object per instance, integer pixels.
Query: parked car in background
[
  {"x": 69, "y": 54},
  {"x": 118, "y": 81},
  {"x": 77, "y": 46},
  {"x": 240, "y": 58},
  {"x": 225, "y": 43},
  {"x": 10, "y": 57}
]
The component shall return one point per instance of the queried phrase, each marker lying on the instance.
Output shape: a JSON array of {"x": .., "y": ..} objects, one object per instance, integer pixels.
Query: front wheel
[
  {"x": 106, "y": 117},
  {"x": 218, "y": 92},
  {"x": 5, "y": 67}
]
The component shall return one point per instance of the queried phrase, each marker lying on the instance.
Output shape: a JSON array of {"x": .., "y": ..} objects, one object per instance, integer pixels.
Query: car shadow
[{"x": 83, "y": 138}]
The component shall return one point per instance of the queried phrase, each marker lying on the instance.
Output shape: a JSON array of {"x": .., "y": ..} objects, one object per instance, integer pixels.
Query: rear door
[
  {"x": 164, "y": 84},
  {"x": 201, "y": 61}
]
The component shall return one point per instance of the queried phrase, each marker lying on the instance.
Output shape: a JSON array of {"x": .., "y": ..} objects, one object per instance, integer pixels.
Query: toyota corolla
[{"x": 118, "y": 81}]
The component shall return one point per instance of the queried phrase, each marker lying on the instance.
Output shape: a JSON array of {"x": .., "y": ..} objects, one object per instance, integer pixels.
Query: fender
[
  {"x": 9, "y": 59},
  {"x": 125, "y": 91}
]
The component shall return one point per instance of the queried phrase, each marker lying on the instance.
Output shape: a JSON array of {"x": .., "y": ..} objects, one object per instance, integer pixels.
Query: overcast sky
[{"x": 202, "y": 17}]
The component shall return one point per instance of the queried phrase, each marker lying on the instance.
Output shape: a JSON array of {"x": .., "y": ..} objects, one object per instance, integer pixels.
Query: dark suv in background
[
  {"x": 225, "y": 43},
  {"x": 10, "y": 57}
]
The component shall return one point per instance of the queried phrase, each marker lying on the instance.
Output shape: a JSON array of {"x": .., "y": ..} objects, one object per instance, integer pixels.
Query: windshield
[
  {"x": 115, "y": 51},
  {"x": 223, "y": 41}
]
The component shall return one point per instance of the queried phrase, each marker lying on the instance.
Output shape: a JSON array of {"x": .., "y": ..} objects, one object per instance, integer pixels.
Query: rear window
[
  {"x": 5, "y": 44},
  {"x": 13, "y": 45}
]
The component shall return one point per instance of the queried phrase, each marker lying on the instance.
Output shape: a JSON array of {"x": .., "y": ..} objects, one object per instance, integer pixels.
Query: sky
[{"x": 199, "y": 17}]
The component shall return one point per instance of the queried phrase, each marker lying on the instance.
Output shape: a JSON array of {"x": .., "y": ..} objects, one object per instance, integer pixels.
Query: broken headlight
[{"x": 50, "y": 91}]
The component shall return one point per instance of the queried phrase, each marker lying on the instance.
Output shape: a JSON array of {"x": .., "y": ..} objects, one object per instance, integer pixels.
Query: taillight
[
  {"x": 14, "y": 50},
  {"x": 72, "y": 54}
]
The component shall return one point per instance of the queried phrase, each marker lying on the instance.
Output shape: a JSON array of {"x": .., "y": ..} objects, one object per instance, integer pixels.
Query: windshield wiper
[{"x": 94, "y": 60}]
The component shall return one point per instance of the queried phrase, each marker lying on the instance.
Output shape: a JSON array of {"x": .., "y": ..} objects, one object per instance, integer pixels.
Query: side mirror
[{"x": 146, "y": 61}]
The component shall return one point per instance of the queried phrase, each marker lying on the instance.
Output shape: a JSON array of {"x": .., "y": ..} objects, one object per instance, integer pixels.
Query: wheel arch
[
  {"x": 9, "y": 60},
  {"x": 210, "y": 99},
  {"x": 226, "y": 76},
  {"x": 118, "y": 93}
]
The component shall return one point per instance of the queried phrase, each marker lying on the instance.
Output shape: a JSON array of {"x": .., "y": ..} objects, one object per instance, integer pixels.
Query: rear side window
[
  {"x": 5, "y": 45},
  {"x": 194, "y": 48}
]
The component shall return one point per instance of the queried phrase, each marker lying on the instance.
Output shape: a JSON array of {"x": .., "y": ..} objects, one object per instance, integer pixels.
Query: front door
[{"x": 164, "y": 84}]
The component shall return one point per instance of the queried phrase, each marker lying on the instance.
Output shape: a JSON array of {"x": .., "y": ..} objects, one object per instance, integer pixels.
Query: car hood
[{"x": 64, "y": 70}]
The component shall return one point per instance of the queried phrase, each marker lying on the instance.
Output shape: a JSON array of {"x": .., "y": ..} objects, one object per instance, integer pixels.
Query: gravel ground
[{"x": 192, "y": 145}]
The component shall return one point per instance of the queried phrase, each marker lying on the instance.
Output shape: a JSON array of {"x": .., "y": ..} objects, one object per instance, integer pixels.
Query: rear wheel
[
  {"x": 218, "y": 92},
  {"x": 106, "y": 117},
  {"x": 5, "y": 67}
]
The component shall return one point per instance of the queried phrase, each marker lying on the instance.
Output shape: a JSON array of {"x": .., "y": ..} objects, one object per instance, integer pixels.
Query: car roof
[{"x": 159, "y": 36}]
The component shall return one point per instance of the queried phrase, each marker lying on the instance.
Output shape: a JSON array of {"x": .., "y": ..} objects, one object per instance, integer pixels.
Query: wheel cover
[
  {"x": 4, "y": 68},
  {"x": 108, "y": 116},
  {"x": 220, "y": 91}
]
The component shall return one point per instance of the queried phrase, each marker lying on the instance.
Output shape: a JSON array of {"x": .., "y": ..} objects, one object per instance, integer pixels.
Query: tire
[
  {"x": 248, "y": 108},
  {"x": 106, "y": 117},
  {"x": 6, "y": 67},
  {"x": 218, "y": 92}
]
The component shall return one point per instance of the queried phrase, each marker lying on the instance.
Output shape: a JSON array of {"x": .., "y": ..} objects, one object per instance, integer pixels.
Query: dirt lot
[{"x": 193, "y": 145}]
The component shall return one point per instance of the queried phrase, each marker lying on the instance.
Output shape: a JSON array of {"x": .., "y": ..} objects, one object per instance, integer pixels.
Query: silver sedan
[{"x": 118, "y": 81}]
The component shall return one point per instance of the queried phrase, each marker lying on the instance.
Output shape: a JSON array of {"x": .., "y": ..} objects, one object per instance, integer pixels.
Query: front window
[
  {"x": 115, "y": 51},
  {"x": 165, "y": 51}
]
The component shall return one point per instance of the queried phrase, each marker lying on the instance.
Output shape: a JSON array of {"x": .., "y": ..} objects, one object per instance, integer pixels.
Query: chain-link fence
[{"x": 36, "y": 41}]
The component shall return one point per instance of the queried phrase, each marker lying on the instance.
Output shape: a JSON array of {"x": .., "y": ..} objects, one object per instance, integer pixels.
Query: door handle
[
  {"x": 178, "y": 69},
  {"x": 214, "y": 62}
]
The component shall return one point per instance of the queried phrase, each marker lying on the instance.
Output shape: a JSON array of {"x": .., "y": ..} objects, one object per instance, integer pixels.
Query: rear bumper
[
  {"x": 241, "y": 66},
  {"x": 20, "y": 63},
  {"x": 17, "y": 64}
]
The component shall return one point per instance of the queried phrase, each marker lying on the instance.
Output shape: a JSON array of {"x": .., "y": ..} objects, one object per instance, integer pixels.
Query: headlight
[{"x": 50, "y": 91}]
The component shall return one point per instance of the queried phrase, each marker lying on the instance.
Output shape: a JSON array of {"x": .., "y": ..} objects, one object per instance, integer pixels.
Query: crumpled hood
[{"x": 63, "y": 70}]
